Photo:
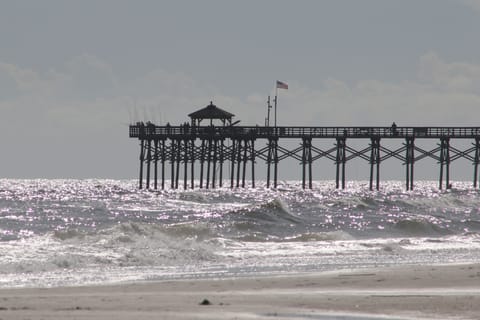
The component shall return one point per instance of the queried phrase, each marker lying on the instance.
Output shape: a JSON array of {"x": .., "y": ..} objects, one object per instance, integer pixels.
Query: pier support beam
[
  {"x": 272, "y": 157},
  {"x": 340, "y": 161},
  {"x": 275, "y": 163},
  {"x": 476, "y": 160},
  {"x": 444, "y": 161},
  {"x": 178, "y": 157},
  {"x": 307, "y": 161},
  {"x": 155, "y": 164},
  {"x": 185, "y": 163},
  {"x": 209, "y": 161},
  {"x": 245, "y": 159},
  {"x": 375, "y": 161},
  {"x": 142, "y": 159},
  {"x": 149, "y": 161},
  {"x": 202, "y": 161},
  {"x": 269, "y": 161},
  {"x": 252, "y": 159},
  {"x": 409, "y": 161},
  {"x": 164, "y": 159},
  {"x": 232, "y": 162},
  {"x": 192, "y": 165},
  {"x": 172, "y": 163},
  {"x": 239, "y": 161},
  {"x": 221, "y": 159},
  {"x": 215, "y": 159}
]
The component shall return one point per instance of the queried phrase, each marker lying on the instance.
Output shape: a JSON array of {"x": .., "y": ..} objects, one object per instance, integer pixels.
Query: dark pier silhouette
[{"x": 213, "y": 145}]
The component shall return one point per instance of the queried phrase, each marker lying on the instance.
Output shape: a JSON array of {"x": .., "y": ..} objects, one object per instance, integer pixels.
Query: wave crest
[
  {"x": 274, "y": 211},
  {"x": 321, "y": 236},
  {"x": 418, "y": 227}
]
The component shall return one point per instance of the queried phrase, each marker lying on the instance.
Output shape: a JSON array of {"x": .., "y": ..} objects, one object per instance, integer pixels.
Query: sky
[{"x": 75, "y": 74}]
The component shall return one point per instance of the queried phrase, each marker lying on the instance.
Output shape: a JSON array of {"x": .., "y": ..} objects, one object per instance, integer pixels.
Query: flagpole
[
  {"x": 269, "y": 106},
  {"x": 281, "y": 85},
  {"x": 276, "y": 96}
]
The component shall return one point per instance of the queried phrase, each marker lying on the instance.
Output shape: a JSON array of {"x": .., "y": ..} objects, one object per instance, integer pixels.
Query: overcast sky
[{"x": 74, "y": 74}]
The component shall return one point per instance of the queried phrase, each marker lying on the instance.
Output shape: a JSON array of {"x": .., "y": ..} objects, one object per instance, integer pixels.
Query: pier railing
[{"x": 257, "y": 132}]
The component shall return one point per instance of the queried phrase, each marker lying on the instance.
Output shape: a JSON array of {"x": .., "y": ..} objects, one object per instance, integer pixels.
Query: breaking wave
[
  {"x": 420, "y": 228},
  {"x": 125, "y": 245}
]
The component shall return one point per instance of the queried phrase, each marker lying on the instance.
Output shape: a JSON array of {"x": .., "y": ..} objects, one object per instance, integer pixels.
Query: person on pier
[{"x": 394, "y": 129}]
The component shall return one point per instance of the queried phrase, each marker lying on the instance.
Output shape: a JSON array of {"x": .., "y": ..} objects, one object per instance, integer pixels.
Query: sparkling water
[{"x": 77, "y": 232}]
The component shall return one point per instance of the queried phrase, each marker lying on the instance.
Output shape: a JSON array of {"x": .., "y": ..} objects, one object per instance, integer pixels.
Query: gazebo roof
[{"x": 211, "y": 112}]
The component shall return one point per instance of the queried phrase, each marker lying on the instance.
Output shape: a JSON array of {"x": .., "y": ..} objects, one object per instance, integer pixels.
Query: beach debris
[{"x": 205, "y": 302}]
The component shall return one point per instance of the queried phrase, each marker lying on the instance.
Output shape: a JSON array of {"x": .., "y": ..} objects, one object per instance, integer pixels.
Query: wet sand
[{"x": 407, "y": 292}]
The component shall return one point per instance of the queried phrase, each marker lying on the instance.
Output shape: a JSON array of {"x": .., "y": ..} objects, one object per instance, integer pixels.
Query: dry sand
[{"x": 407, "y": 292}]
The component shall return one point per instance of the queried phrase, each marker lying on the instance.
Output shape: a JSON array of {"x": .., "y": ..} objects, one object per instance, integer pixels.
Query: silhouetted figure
[
  {"x": 394, "y": 129},
  {"x": 168, "y": 127},
  {"x": 142, "y": 127}
]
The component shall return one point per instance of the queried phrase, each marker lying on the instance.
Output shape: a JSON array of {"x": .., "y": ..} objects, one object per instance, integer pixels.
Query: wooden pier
[{"x": 213, "y": 146}]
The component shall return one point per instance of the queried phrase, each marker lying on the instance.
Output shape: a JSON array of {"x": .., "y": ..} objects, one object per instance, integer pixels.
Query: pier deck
[{"x": 152, "y": 132}]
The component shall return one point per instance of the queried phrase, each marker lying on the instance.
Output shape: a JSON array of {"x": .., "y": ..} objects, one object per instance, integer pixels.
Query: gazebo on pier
[{"x": 211, "y": 112}]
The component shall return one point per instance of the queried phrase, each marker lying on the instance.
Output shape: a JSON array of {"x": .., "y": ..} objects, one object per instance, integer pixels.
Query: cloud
[
  {"x": 474, "y": 4},
  {"x": 82, "y": 106},
  {"x": 16, "y": 81},
  {"x": 82, "y": 77},
  {"x": 450, "y": 77},
  {"x": 85, "y": 90},
  {"x": 90, "y": 77},
  {"x": 9, "y": 87}
]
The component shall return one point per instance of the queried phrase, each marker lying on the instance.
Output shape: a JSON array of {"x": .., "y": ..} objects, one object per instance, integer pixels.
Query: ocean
[{"x": 96, "y": 232}]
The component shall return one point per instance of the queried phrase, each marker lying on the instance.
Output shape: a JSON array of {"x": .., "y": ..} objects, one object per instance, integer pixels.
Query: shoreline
[{"x": 404, "y": 292}]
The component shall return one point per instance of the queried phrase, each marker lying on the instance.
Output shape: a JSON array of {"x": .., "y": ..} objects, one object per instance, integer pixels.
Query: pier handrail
[{"x": 150, "y": 131}]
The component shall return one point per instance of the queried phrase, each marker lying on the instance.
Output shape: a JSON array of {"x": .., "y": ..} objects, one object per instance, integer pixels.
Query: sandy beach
[{"x": 407, "y": 292}]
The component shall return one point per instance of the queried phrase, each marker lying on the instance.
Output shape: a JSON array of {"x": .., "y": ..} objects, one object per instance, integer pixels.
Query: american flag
[{"x": 282, "y": 85}]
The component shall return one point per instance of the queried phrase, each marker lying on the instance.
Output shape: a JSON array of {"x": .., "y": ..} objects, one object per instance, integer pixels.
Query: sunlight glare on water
[{"x": 58, "y": 232}]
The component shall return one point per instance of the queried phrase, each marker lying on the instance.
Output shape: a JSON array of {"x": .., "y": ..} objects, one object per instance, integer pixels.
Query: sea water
[{"x": 78, "y": 232}]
